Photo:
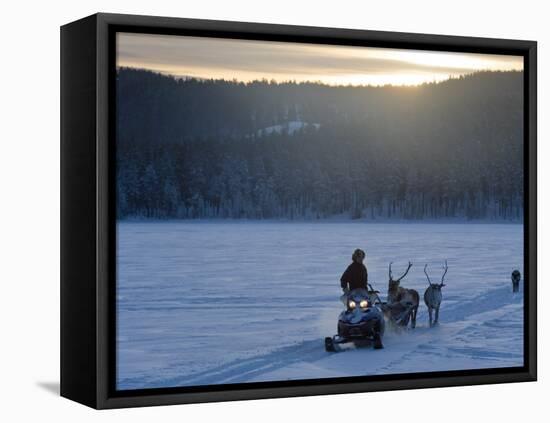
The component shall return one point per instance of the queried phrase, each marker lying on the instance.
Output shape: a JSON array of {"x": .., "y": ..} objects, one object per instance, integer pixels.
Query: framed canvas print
[{"x": 255, "y": 211}]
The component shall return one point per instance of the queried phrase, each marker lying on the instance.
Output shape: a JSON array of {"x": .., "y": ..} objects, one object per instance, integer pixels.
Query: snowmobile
[{"x": 361, "y": 323}]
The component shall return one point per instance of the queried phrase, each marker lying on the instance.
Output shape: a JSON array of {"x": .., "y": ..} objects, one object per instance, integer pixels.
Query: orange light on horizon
[{"x": 249, "y": 60}]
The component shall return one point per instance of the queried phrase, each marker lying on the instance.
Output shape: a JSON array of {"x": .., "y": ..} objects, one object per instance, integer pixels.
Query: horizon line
[
  {"x": 273, "y": 81},
  {"x": 334, "y": 65}
]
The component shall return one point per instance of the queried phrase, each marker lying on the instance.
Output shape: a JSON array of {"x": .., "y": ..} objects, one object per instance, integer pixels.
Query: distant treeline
[{"x": 189, "y": 148}]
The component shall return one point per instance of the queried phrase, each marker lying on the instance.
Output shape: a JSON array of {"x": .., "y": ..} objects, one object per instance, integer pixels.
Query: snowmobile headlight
[
  {"x": 351, "y": 304},
  {"x": 364, "y": 303}
]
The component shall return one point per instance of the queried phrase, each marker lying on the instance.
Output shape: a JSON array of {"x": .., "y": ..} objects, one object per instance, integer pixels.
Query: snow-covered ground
[
  {"x": 230, "y": 301},
  {"x": 286, "y": 128}
]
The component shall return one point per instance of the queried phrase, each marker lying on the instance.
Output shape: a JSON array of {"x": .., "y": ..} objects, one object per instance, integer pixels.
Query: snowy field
[{"x": 226, "y": 302}]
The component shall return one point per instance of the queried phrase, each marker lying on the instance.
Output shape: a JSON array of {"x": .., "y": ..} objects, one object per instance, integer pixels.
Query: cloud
[{"x": 246, "y": 60}]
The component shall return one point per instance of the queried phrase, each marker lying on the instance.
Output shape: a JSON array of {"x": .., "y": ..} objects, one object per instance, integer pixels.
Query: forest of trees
[{"x": 190, "y": 148}]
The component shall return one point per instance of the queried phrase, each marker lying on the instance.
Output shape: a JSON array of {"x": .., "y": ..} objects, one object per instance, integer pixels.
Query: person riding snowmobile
[
  {"x": 355, "y": 276},
  {"x": 362, "y": 320}
]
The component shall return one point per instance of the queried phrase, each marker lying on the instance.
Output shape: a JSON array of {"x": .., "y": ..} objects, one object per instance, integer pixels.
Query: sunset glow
[{"x": 244, "y": 60}]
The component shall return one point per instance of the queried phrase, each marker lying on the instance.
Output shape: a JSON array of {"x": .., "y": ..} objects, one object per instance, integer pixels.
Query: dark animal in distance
[
  {"x": 405, "y": 299},
  {"x": 433, "y": 295},
  {"x": 516, "y": 277}
]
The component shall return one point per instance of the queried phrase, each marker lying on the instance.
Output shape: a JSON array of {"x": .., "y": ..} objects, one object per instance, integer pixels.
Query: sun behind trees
[{"x": 191, "y": 148}]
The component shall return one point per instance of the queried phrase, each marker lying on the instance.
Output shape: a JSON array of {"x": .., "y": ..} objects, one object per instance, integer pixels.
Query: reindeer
[
  {"x": 433, "y": 295},
  {"x": 516, "y": 277},
  {"x": 402, "y": 302}
]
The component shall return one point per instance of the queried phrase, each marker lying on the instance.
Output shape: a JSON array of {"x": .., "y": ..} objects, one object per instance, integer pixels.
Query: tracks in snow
[{"x": 459, "y": 320}]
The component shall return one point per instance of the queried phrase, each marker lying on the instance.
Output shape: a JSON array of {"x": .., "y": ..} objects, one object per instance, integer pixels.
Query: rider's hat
[{"x": 358, "y": 253}]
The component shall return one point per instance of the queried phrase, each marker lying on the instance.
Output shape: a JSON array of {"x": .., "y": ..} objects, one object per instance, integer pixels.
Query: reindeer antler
[
  {"x": 406, "y": 271},
  {"x": 426, "y": 273},
  {"x": 445, "y": 272}
]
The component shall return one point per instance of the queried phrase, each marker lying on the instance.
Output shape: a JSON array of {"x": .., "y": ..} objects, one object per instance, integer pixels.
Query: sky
[{"x": 246, "y": 60}]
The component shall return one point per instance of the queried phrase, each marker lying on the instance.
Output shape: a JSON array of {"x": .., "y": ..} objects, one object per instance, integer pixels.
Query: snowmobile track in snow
[{"x": 400, "y": 347}]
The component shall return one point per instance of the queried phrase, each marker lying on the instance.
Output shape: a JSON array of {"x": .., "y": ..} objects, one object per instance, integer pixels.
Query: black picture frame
[{"x": 88, "y": 217}]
